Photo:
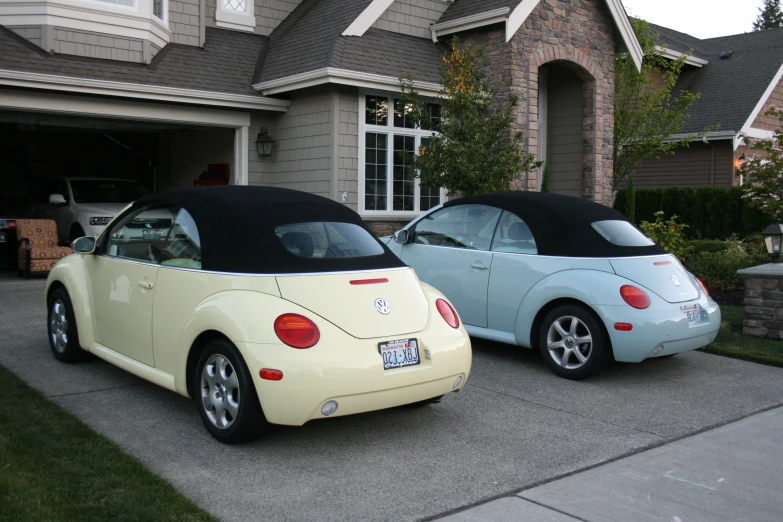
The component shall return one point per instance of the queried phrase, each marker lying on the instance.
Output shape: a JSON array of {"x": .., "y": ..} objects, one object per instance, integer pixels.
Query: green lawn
[
  {"x": 53, "y": 467},
  {"x": 731, "y": 343}
]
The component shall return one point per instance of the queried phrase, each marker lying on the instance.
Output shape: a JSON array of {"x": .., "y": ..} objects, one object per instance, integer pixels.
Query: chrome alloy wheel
[
  {"x": 570, "y": 342},
  {"x": 58, "y": 326},
  {"x": 220, "y": 391}
]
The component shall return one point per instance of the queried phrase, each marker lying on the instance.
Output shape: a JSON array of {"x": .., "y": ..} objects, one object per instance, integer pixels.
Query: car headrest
[
  {"x": 519, "y": 232},
  {"x": 298, "y": 243}
]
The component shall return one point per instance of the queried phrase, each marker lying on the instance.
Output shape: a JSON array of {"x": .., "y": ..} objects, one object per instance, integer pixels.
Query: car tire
[
  {"x": 61, "y": 327},
  {"x": 225, "y": 396},
  {"x": 559, "y": 341},
  {"x": 75, "y": 232}
]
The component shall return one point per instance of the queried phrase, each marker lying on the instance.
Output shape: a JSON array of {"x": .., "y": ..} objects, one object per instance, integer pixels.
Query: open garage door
[{"x": 37, "y": 147}]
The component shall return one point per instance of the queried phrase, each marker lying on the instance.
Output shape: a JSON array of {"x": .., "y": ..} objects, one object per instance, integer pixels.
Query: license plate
[
  {"x": 151, "y": 234},
  {"x": 399, "y": 353},
  {"x": 691, "y": 311}
]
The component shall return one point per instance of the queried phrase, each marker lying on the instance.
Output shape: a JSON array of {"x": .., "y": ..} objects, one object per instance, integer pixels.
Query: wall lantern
[
  {"x": 773, "y": 236},
  {"x": 739, "y": 163},
  {"x": 264, "y": 143}
]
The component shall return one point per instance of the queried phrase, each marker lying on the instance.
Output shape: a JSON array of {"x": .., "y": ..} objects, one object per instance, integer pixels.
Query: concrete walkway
[{"x": 730, "y": 473}]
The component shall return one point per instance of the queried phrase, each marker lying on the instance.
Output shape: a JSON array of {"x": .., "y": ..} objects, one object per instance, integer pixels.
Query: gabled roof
[
  {"x": 225, "y": 66},
  {"x": 682, "y": 42},
  {"x": 309, "y": 47},
  {"x": 732, "y": 89}
]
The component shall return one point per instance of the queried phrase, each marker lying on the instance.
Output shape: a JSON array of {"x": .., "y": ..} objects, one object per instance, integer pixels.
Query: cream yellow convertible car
[{"x": 264, "y": 305}]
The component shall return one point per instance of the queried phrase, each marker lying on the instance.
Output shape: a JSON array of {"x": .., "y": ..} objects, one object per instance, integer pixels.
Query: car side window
[
  {"x": 460, "y": 226},
  {"x": 513, "y": 236},
  {"x": 140, "y": 235}
]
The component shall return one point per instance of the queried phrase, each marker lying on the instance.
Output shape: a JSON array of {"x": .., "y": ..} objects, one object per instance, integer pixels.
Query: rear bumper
[
  {"x": 350, "y": 371},
  {"x": 662, "y": 324}
]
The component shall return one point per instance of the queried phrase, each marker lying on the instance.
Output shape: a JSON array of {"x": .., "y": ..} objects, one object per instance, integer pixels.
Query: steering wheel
[{"x": 151, "y": 254}]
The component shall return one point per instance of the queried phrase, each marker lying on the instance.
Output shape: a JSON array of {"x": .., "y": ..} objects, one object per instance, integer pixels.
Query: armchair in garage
[{"x": 38, "y": 250}]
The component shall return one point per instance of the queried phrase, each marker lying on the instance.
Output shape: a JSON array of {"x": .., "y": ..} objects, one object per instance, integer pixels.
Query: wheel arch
[
  {"x": 69, "y": 274},
  {"x": 555, "y": 303},
  {"x": 194, "y": 352}
]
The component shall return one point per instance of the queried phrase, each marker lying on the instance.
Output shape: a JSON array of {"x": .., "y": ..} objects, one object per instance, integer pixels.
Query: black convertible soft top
[
  {"x": 236, "y": 225},
  {"x": 561, "y": 225}
]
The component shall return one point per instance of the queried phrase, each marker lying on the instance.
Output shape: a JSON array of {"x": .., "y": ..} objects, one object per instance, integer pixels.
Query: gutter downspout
[
  {"x": 202, "y": 23},
  {"x": 712, "y": 160}
]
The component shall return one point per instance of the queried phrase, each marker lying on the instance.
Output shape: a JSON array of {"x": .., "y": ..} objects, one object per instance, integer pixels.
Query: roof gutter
[
  {"x": 70, "y": 84},
  {"x": 342, "y": 77}
]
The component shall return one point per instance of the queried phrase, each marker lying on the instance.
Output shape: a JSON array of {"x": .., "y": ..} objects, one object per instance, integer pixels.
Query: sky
[{"x": 699, "y": 18}]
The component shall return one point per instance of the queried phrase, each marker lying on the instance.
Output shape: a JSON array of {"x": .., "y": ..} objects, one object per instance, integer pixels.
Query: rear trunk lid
[
  {"x": 350, "y": 300},
  {"x": 663, "y": 275}
]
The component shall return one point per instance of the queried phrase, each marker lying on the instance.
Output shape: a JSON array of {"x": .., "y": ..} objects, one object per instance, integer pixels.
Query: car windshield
[
  {"x": 322, "y": 240},
  {"x": 622, "y": 233},
  {"x": 106, "y": 191}
]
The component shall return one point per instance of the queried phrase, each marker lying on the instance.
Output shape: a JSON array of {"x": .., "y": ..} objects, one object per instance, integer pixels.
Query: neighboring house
[
  {"x": 159, "y": 89},
  {"x": 739, "y": 78}
]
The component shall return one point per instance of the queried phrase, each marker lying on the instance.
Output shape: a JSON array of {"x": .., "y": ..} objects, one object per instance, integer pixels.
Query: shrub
[
  {"x": 669, "y": 234},
  {"x": 718, "y": 270},
  {"x": 701, "y": 246},
  {"x": 710, "y": 213}
]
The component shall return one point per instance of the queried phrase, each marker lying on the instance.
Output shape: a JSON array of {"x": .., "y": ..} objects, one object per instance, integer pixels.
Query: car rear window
[
  {"x": 324, "y": 240},
  {"x": 622, "y": 233}
]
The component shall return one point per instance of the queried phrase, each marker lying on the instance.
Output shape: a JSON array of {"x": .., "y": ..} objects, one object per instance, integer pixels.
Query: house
[
  {"x": 739, "y": 78},
  {"x": 162, "y": 90}
]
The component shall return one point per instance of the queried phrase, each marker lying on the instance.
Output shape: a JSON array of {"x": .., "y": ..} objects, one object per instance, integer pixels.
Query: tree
[
  {"x": 770, "y": 16},
  {"x": 765, "y": 171},
  {"x": 647, "y": 111},
  {"x": 472, "y": 149}
]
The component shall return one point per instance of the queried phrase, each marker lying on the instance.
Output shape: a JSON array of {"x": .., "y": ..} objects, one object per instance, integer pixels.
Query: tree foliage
[
  {"x": 764, "y": 170},
  {"x": 472, "y": 149},
  {"x": 647, "y": 111},
  {"x": 770, "y": 16}
]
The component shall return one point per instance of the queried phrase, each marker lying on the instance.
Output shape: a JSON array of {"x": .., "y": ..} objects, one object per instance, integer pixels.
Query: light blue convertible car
[{"x": 564, "y": 275}]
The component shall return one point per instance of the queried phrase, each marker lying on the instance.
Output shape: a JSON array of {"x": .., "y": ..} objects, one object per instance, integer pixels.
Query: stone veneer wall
[
  {"x": 764, "y": 307},
  {"x": 581, "y": 32}
]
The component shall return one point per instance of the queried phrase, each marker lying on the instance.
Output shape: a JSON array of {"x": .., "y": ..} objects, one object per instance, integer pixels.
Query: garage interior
[{"x": 34, "y": 147}]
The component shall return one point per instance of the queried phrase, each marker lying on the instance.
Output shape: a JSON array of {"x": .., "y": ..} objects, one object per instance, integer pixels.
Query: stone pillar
[{"x": 763, "y": 301}]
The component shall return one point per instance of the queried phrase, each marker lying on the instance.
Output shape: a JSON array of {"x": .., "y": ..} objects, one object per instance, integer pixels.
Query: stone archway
[{"x": 576, "y": 136}]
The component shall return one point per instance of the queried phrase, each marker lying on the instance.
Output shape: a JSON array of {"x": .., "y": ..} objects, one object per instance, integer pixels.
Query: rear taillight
[
  {"x": 701, "y": 284},
  {"x": 297, "y": 331},
  {"x": 634, "y": 297},
  {"x": 12, "y": 225},
  {"x": 447, "y": 312}
]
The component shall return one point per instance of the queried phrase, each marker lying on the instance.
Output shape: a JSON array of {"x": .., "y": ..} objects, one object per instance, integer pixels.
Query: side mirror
[
  {"x": 57, "y": 199},
  {"x": 84, "y": 245},
  {"x": 401, "y": 236}
]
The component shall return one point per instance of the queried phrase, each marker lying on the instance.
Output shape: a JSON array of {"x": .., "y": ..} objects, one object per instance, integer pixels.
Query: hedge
[{"x": 711, "y": 213}]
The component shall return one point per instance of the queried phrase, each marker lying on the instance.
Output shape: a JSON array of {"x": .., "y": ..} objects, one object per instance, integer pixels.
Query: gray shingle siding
[
  {"x": 97, "y": 45},
  {"x": 303, "y": 143},
  {"x": 689, "y": 167},
  {"x": 30, "y": 32},
  {"x": 184, "y": 21},
  {"x": 271, "y": 13},
  {"x": 412, "y": 17},
  {"x": 348, "y": 153}
]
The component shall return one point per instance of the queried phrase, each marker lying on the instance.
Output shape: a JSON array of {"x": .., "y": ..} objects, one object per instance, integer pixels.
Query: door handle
[
  {"x": 145, "y": 284},
  {"x": 479, "y": 265}
]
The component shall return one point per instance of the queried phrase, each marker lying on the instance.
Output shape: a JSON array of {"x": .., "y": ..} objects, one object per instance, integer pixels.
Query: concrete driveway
[{"x": 514, "y": 426}]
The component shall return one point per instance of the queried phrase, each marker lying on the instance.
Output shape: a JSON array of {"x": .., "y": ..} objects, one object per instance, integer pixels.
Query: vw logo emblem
[
  {"x": 675, "y": 280},
  {"x": 382, "y": 306}
]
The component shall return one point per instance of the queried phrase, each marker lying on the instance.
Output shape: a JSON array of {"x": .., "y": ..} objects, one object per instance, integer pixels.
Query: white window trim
[
  {"x": 390, "y": 130},
  {"x": 240, "y": 21}
]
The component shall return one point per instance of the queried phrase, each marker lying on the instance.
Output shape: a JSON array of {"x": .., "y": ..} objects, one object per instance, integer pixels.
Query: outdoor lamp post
[
  {"x": 264, "y": 143},
  {"x": 773, "y": 237}
]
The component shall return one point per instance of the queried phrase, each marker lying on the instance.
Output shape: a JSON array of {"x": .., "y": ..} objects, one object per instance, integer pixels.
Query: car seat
[{"x": 299, "y": 243}]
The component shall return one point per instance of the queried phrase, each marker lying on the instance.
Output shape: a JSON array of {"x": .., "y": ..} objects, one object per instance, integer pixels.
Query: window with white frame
[
  {"x": 236, "y": 14},
  {"x": 389, "y": 141}
]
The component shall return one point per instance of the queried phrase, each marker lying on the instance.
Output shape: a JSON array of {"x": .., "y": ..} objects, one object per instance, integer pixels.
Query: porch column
[{"x": 241, "y": 146}]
